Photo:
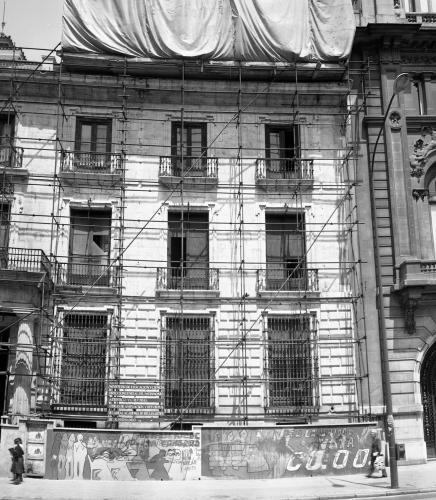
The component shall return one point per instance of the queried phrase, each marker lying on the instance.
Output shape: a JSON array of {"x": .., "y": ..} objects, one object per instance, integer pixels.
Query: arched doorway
[{"x": 428, "y": 395}]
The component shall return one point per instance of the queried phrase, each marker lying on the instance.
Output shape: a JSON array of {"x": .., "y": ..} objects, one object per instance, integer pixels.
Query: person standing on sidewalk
[
  {"x": 376, "y": 451},
  {"x": 17, "y": 468}
]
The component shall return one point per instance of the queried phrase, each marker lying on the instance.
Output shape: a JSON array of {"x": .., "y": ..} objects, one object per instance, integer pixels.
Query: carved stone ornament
[
  {"x": 395, "y": 120},
  {"x": 421, "y": 152},
  {"x": 420, "y": 194},
  {"x": 410, "y": 306}
]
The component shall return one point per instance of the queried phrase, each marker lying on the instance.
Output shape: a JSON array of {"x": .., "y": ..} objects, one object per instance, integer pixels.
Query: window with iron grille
[
  {"x": 83, "y": 360},
  {"x": 281, "y": 150},
  {"x": 93, "y": 143},
  {"x": 285, "y": 252},
  {"x": 89, "y": 252},
  {"x": 190, "y": 145},
  {"x": 291, "y": 363},
  {"x": 188, "y": 364},
  {"x": 188, "y": 250}
]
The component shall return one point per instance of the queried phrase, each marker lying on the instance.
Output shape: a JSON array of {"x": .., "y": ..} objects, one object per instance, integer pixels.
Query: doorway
[
  {"x": 4, "y": 360},
  {"x": 428, "y": 395}
]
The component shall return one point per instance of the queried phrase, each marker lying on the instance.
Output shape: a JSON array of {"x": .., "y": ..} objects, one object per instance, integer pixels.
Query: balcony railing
[
  {"x": 280, "y": 278},
  {"x": 421, "y": 17},
  {"x": 194, "y": 166},
  {"x": 78, "y": 161},
  {"x": 84, "y": 271},
  {"x": 284, "y": 168},
  {"x": 24, "y": 259},
  {"x": 190, "y": 278},
  {"x": 11, "y": 156}
]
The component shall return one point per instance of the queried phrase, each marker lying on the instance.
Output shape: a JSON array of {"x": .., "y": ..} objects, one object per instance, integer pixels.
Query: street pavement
[{"x": 415, "y": 481}]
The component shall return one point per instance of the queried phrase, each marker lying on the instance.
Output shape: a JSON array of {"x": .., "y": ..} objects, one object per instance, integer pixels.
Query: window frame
[
  {"x": 288, "y": 149},
  {"x": 272, "y": 403},
  {"x": 87, "y": 278},
  {"x": 93, "y": 122},
  {"x": 195, "y": 165},
  {"x": 168, "y": 354},
  {"x": 59, "y": 364}
]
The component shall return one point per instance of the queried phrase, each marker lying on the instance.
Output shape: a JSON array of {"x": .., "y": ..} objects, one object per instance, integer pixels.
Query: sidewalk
[{"x": 413, "y": 479}]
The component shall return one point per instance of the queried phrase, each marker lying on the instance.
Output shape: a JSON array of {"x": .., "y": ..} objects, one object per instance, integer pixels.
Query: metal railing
[
  {"x": 78, "y": 161},
  {"x": 24, "y": 259},
  {"x": 280, "y": 277},
  {"x": 84, "y": 271},
  {"x": 194, "y": 166},
  {"x": 191, "y": 278},
  {"x": 11, "y": 156},
  {"x": 284, "y": 168}
]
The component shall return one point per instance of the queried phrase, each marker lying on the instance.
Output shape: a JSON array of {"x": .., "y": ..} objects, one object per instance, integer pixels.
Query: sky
[{"x": 33, "y": 23}]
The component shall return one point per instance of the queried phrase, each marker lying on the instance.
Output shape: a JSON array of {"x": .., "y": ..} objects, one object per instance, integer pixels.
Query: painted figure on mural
[
  {"x": 17, "y": 455},
  {"x": 377, "y": 457},
  {"x": 157, "y": 463},
  {"x": 69, "y": 458},
  {"x": 80, "y": 454}
]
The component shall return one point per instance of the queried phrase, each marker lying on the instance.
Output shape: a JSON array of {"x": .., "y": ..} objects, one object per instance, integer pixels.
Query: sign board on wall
[{"x": 135, "y": 401}]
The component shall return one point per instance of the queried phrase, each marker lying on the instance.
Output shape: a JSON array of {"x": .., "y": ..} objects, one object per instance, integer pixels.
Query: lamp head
[{"x": 401, "y": 83}]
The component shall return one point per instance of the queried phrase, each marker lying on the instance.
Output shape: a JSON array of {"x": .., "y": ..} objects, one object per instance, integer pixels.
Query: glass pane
[
  {"x": 102, "y": 139},
  {"x": 85, "y": 137},
  {"x": 431, "y": 94}
]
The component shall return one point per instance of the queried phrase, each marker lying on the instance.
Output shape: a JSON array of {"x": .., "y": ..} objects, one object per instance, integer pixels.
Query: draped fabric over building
[{"x": 245, "y": 30}]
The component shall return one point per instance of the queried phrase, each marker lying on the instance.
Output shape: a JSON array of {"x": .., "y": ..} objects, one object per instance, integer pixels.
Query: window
[
  {"x": 191, "y": 147},
  {"x": 188, "y": 363},
  {"x": 414, "y": 101},
  {"x": 83, "y": 359},
  {"x": 93, "y": 144},
  {"x": 7, "y": 127},
  {"x": 5, "y": 214},
  {"x": 188, "y": 250},
  {"x": 89, "y": 247},
  {"x": 285, "y": 252},
  {"x": 420, "y": 6},
  {"x": 281, "y": 151},
  {"x": 292, "y": 364}
]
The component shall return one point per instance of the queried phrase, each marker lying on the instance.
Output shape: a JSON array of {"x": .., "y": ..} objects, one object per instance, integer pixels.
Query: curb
[{"x": 368, "y": 495}]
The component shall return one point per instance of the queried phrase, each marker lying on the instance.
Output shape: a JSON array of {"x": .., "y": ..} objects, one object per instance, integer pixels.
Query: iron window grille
[
  {"x": 81, "y": 362},
  {"x": 291, "y": 365},
  {"x": 188, "y": 364}
]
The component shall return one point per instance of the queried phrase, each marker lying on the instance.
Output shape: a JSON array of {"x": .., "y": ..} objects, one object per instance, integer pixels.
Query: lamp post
[{"x": 401, "y": 82}]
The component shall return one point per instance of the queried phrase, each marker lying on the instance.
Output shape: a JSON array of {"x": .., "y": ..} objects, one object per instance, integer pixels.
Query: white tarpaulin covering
[{"x": 246, "y": 30}]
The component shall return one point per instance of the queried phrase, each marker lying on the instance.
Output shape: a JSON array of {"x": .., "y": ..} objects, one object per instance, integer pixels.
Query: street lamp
[{"x": 401, "y": 83}]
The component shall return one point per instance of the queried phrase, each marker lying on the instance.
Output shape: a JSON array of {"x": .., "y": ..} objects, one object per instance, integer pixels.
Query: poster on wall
[
  {"x": 122, "y": 455},
  {"x": 261, "y": 453}
]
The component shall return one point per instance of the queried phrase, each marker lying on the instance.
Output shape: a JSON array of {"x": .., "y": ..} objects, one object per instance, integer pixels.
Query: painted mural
[
  {"x": 122, "y": 456},
  {"x": 259, "y": 453}
]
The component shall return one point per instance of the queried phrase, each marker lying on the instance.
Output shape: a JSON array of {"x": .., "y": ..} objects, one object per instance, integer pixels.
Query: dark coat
[{"x": 17, "y": 459}]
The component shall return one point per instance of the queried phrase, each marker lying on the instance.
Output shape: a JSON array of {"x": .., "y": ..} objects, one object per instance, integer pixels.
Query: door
[
  {"x": 4, "y": 359},
  {"x": 428, "y": 395}
]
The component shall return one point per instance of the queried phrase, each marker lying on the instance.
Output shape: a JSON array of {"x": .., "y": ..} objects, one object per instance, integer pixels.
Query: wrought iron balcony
[
  {"x": 193, "y": 166},
  {"x": 11, "y": 156},
  {"x": 90, "y": 162},
  {"x": 188, "y": 278},
  {"x": 25, "y": 259},
  {"x": 279, "y": 277},
  {"x": 284, "y": 168},
  {"x": 86, "y": 271}
]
